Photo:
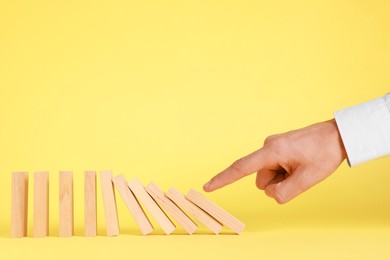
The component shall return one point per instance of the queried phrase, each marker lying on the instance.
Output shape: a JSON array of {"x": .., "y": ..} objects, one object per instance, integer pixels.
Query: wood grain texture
[
  {"x": 66, "y": 204},
  {"x": 162, "y": 219},
  {"x": 178, "y": 198},
  {"x": 109, "y": 203},
  {"x": 41, "y": 204},
  {"x": 215, "y": 211},
  {"x": 132, "y": 204},
  {"x": 19, "y": 204},
  {"x": 164, "y": 202},
  {"x": 90, "y": 205}
]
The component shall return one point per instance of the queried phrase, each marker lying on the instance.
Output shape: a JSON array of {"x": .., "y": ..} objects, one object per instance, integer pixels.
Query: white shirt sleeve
[{"x": 365, "y": 130}]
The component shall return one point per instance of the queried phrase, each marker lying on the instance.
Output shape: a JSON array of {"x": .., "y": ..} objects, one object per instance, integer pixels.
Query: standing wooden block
[
  {"x": 164, "y": 202},
  {"x": 132, "y": 204},
  {"x": 19, "y": 205},
  {"x": 90, "y": 205},
  {"x": 177, "y": 197},
  {"x": 41, "y": 204},
  {"x": 109, "y": 204},
  {"x": 139, "y": 191},
  {"x": 215, "y": 211},
  {"x": 66, "y": 204}
]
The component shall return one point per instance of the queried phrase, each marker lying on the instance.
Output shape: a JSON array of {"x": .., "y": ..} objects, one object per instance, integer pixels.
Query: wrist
[{"x": 337, "y": 136}]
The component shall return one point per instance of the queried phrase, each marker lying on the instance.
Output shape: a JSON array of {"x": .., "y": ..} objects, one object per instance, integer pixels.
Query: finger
[
  {"x": 290, "y": 187},
  {"x": 278, "y": 178},
  {"x": 281, "y": 176},
  {"x": 269, "y": 174},
  {"x": 264, "y": 176},
  {"x": 239, "y": 169}
]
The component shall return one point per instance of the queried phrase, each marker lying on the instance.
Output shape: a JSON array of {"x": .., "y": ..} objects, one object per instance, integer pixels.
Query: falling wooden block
[
  {"x": 178, "y": 198},
  {"x": 215, "y": 211},
  {"x": 66, "y": 204},
  {"x": 162, "y": 219},
  {"x": 90, "y": 205},
  {"x": 109, "y": 204},
  {"x": 164, "y": 202},
  {"x": 132, "y": 204},
  {"x": 41, "y": 204},
  {"x": 19, "y": 205}
]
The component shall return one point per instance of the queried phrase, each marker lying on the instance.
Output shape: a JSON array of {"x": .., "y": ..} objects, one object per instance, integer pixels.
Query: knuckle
[
  {"x": 259, "y": 185},
  {"x": 269, "y": 139},
  {"x": 276, "y": 142},
  {"x": 280, "y": 197},
  {"x": 239, "y": 165},
  {"x": 280, "y": 200}
]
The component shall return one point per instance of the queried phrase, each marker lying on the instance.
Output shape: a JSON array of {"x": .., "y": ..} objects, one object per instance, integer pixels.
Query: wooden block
[
  {"x": 140, "y": 193},
  {"x": 132, "y": 204},
  {"x": 66, "y": 204},
  {"x": 109, "y": 203},
  {"x": 164, "y": 202},
  {"x": 19, "y": 205},
  {"x": 41, "y": 204},
  {"x": 90, "y": 205},
  {"x": 178, "y": 198},
  {"x": 215, "y": 211}
]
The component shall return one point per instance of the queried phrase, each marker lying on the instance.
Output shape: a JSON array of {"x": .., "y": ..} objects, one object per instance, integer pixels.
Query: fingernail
[{"x": 207, "y": 185}]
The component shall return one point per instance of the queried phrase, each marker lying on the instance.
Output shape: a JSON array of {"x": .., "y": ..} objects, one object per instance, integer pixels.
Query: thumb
[
  {"x": 284, "y": 191},
  {"x": 239, "y": 169}
]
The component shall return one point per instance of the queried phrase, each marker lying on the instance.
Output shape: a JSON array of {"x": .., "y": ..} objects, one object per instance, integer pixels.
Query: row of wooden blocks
[{"x": 133, "y": 193}]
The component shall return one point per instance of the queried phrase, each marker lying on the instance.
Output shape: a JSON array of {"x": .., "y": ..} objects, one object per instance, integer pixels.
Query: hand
[{"x": 289, "y": 163}]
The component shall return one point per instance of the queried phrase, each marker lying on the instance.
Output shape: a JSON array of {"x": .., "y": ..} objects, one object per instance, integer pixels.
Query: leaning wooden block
[
  {"x": 215, "y": 211},
  {"x": 178, "y": 198},
  {"x": 164, "y": 202},
  {"x": 66, "y": 204},
  {"x": 139, "y": 191},
  {"x": 90, "y": 206},
  {"x": 132, "y": 204},
  {"x": 19, "y": 205},
  {"x": 109, "y": 203},
  {"x": 41, "y": 204}
]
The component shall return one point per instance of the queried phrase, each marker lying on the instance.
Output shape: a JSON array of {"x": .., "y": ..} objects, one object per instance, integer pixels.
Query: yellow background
[{"x": 173, "y": 92}]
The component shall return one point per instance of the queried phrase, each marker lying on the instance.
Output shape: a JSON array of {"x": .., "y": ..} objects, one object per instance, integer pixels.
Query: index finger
[{"x": 239, "y": 169}]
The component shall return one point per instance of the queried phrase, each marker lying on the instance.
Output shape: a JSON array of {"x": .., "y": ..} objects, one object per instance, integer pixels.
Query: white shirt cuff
[{"x": 365, "y": 130}]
